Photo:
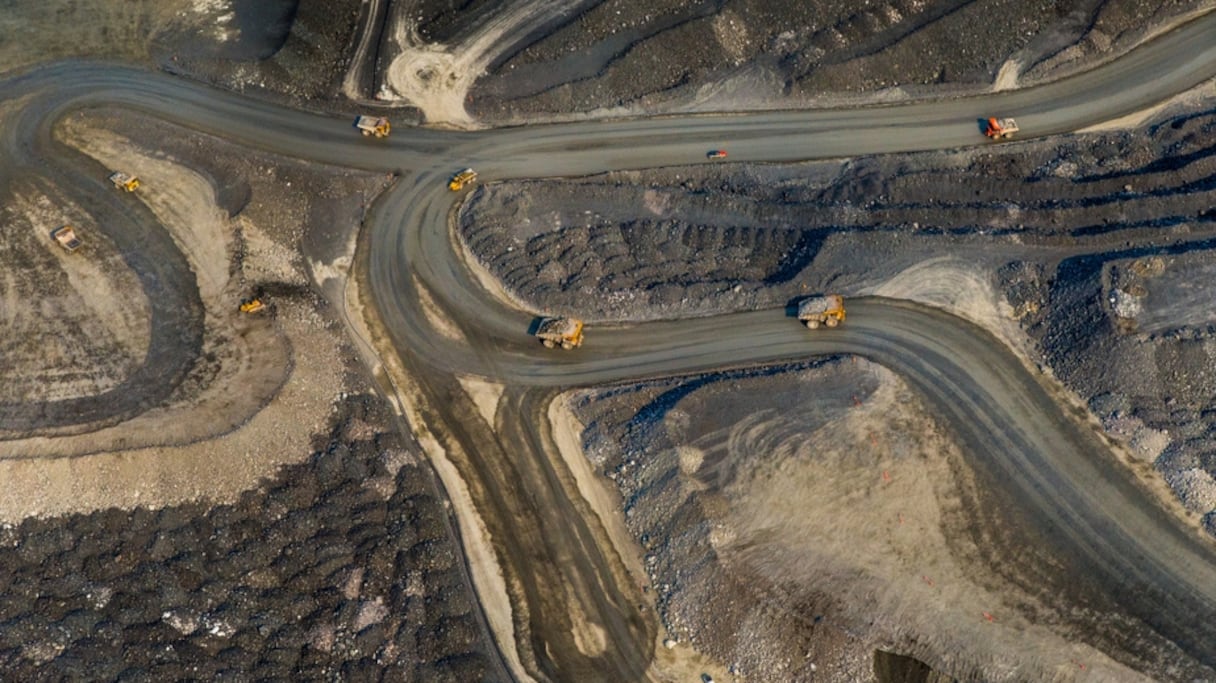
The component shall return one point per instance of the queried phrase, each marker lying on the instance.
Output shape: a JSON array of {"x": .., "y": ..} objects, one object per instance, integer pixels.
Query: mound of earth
[
  {"x": 1099, "y": 244},
  {"x": 343, "y": 566},
  {"x": 294, "y": 48},
  {"x": 797, "y": 520},
  {"x": 737, "y": 54}
]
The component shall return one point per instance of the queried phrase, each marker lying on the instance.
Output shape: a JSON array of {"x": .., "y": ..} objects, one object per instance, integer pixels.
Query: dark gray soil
[
  {"x": 315, "y": 575},
  {"x": 1049, "y": 220},
  {"x": 804, "y": 629},
  {"x": 341, "y": 568},
  {"x": 706, "y": 238},
  {"x": 294, "y": 48},
  {"x": 659, "y": 55}
]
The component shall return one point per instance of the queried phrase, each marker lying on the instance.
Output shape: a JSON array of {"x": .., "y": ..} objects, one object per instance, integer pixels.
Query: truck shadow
[{"x": 791, "y": 306}]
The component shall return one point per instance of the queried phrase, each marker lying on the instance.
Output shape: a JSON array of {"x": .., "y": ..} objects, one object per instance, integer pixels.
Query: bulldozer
[
  {"x": 124, "y": 181},
  {"x": 66, "y": 237},
  {"x": 821, "y": 310},
  {"x": 461, "y": 179},
  {"x": 373, "y": 125},
  {"x": 252, "y": 305},
  {"x": 1000, "y": 129},
  {"x": 564, "y": 332}
]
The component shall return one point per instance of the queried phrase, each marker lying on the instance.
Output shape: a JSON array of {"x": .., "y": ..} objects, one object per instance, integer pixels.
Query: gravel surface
[
  {"x": 739, "y": 54},
  {"x": 1090, "y": 239},
  {"x": 1099, "y": 244},
  {"x": 818, "y": 511},
  {"x": 338, "y": 568},
  {"x": 339, "y": 565}
]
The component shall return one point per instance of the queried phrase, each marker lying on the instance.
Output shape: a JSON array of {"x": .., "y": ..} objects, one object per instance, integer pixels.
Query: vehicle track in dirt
[{"x": 1011, "y": 422}]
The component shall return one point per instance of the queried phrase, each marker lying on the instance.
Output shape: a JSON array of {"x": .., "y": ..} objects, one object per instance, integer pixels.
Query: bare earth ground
[
  {"x": 1086, "y": 255},
  {"x": 342, "y": 565},
  {"x": 275, "y": 462},
  {"x": 790, "y": 544},
  {"x": 471, "y": 63}
]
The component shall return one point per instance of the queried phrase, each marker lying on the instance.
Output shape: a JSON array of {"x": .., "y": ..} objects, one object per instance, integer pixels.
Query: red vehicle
[
  {"x": 716, "y": 154},
  {"x": 999, "y": 129}
]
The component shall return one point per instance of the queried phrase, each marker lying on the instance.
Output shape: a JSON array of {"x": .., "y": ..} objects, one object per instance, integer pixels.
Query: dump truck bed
[
  {"x": 820, "y": 305},
  {"x": 566, "y": 332}
]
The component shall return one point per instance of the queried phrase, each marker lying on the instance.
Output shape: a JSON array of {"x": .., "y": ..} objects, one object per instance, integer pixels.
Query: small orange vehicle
[{"x": 999, "y": 129}]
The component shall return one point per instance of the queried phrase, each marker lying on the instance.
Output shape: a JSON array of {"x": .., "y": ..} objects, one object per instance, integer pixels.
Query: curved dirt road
[{"x": 1057, "y": 469}]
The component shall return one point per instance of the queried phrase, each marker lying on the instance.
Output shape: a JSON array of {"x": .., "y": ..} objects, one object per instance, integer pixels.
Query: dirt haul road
[{"x": 1057, "y": 470}]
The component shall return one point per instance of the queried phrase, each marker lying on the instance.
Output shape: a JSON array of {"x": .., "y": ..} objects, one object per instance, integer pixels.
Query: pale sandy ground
[
  {"x": 270, "y": 395},
  {"x": 1202, "y": 92},
  {"x": 680, "y": 662},
  {"x": 488, "y": 579},
  {"x": 865, "y": 524},
  {"x": 959, "y": 288},
  {"x": 114, "y": 321},
  {"x": 437, "y": 78}
]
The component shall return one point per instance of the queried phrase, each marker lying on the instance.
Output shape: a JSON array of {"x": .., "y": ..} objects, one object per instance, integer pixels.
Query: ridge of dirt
[
  {"x": 821, "y": 551},
  {"x": 734, "y": 55},
  {"x": 282, "y": 530}
]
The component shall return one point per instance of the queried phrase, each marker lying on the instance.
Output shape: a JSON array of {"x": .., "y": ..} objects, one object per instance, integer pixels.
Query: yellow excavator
[{"x": 252, "y": 305}]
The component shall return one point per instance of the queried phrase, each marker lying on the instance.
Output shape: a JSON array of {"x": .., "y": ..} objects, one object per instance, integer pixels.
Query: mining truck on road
[
  {"x": 66, "y": 237},
  {"x": 461, "y": 179},
  {"x": 373, "y": 125},
  {"x": 821, "y": 310},
  {"x": 124, "y": 181},
  {"x": 999, "y": 129},
  {"x": 564, "y": 332}
]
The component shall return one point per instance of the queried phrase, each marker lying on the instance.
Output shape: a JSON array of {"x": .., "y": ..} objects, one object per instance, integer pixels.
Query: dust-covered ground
[
  {"x": 797, "y": 520},
  {"x": 268, "y": 518},
  {"x": 294, "y": 48},
  {"x": 560, "y": 58},
  {"x": 1087, "y": 254}
]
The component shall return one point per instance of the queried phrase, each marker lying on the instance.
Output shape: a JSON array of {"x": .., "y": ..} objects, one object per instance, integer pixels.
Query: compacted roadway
[{"x": 559, "y": 566}]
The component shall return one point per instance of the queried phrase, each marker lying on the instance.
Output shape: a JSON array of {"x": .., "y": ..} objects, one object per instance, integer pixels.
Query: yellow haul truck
[
  {"x": 461, "y": 179},
  {"x": 124, "y": 181},
  {"x": 821, "y": 310},
  {"x": 373, "y": 125},
  {"x": 564, "y": 332}
]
